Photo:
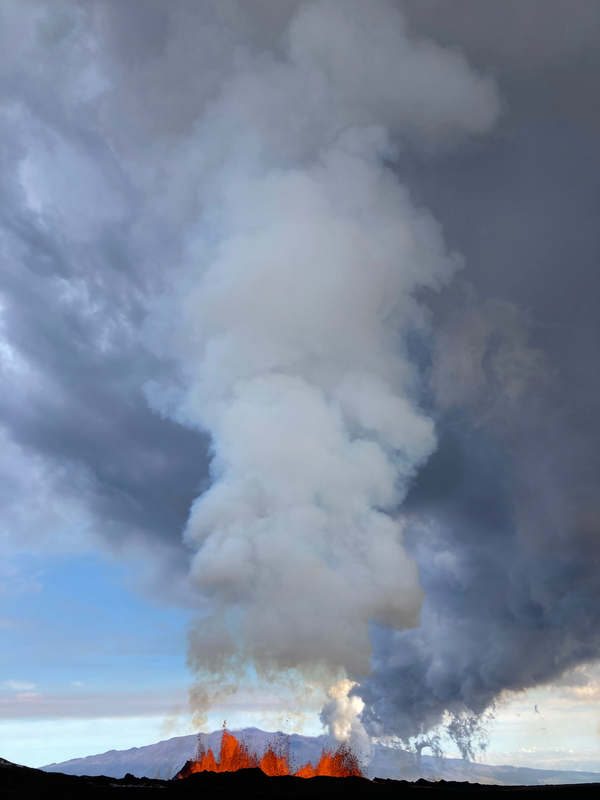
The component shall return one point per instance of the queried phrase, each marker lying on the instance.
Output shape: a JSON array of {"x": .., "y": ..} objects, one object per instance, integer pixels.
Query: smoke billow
[
  {"x": 293, "y": 309},
  {"x": 504, "y": 529},
  {"x": 341, "y": 715}
]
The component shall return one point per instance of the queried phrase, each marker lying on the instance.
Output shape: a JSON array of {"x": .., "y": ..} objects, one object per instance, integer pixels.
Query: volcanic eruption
[
  {"x": 233, "y": 308},
  {"x": 275, "y": 761}
]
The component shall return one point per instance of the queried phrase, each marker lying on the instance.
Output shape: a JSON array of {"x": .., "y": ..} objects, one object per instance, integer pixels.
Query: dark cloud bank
[{"x": 121, "y": 144}]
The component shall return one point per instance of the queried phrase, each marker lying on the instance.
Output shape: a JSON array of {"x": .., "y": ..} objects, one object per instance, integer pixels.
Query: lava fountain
[{"x": 235, "y": 755}]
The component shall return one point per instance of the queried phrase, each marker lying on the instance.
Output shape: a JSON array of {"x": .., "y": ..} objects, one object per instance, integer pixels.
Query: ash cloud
[
  {"x": 161, "y": 160},
  {"x": 502, "y": 519}
]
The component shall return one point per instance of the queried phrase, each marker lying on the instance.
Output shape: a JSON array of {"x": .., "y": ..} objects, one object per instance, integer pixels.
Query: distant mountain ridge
[{"x": 164, "y": 759}]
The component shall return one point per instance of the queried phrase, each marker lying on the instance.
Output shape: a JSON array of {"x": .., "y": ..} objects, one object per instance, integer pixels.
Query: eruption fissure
[{"x": 275, "y": 761}]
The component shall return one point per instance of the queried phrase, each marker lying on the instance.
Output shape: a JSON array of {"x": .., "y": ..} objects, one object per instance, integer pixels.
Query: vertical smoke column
[{"x": 290, "y": 319}]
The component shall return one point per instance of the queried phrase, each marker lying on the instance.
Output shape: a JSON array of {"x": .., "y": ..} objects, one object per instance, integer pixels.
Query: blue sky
[
  {"x": 78, "y": 642},
  {"x": 75, "y": 622},
  {"x": 89, "y": 663}
]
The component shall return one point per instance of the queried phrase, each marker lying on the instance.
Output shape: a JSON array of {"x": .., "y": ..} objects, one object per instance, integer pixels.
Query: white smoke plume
[
  {"x": 290, "y": 319},
  {"x": 341, "y": 715}
]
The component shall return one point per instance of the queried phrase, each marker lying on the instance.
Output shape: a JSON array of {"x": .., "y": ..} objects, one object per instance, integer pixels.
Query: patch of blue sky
[
  {"x": 89, "y": 664},
  {"x": 74, "y": 621}
]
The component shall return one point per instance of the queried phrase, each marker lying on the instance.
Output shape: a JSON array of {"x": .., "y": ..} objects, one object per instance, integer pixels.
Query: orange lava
[
  {"x": 340, "y": 763},
  {"x": 235, "y": 755}
]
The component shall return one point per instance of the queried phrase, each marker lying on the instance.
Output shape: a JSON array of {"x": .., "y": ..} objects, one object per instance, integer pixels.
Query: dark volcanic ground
[{"x": 17, "y": 781}]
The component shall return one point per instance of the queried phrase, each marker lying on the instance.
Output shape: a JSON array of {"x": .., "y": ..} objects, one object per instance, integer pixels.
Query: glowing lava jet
[{"x": 235, "y": 755}]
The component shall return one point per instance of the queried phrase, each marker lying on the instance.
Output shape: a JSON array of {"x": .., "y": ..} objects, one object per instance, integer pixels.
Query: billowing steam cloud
[
  {"x": 294, "y": 310},
  {"x": 204, "y": 212}
]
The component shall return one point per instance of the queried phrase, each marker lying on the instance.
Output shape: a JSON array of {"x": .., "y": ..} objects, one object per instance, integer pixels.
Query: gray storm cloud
[{"x": 294, "y": 307}]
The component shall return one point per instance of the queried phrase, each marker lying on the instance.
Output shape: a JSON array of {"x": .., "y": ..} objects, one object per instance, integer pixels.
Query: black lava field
[{"x": 18, "y": 781}]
